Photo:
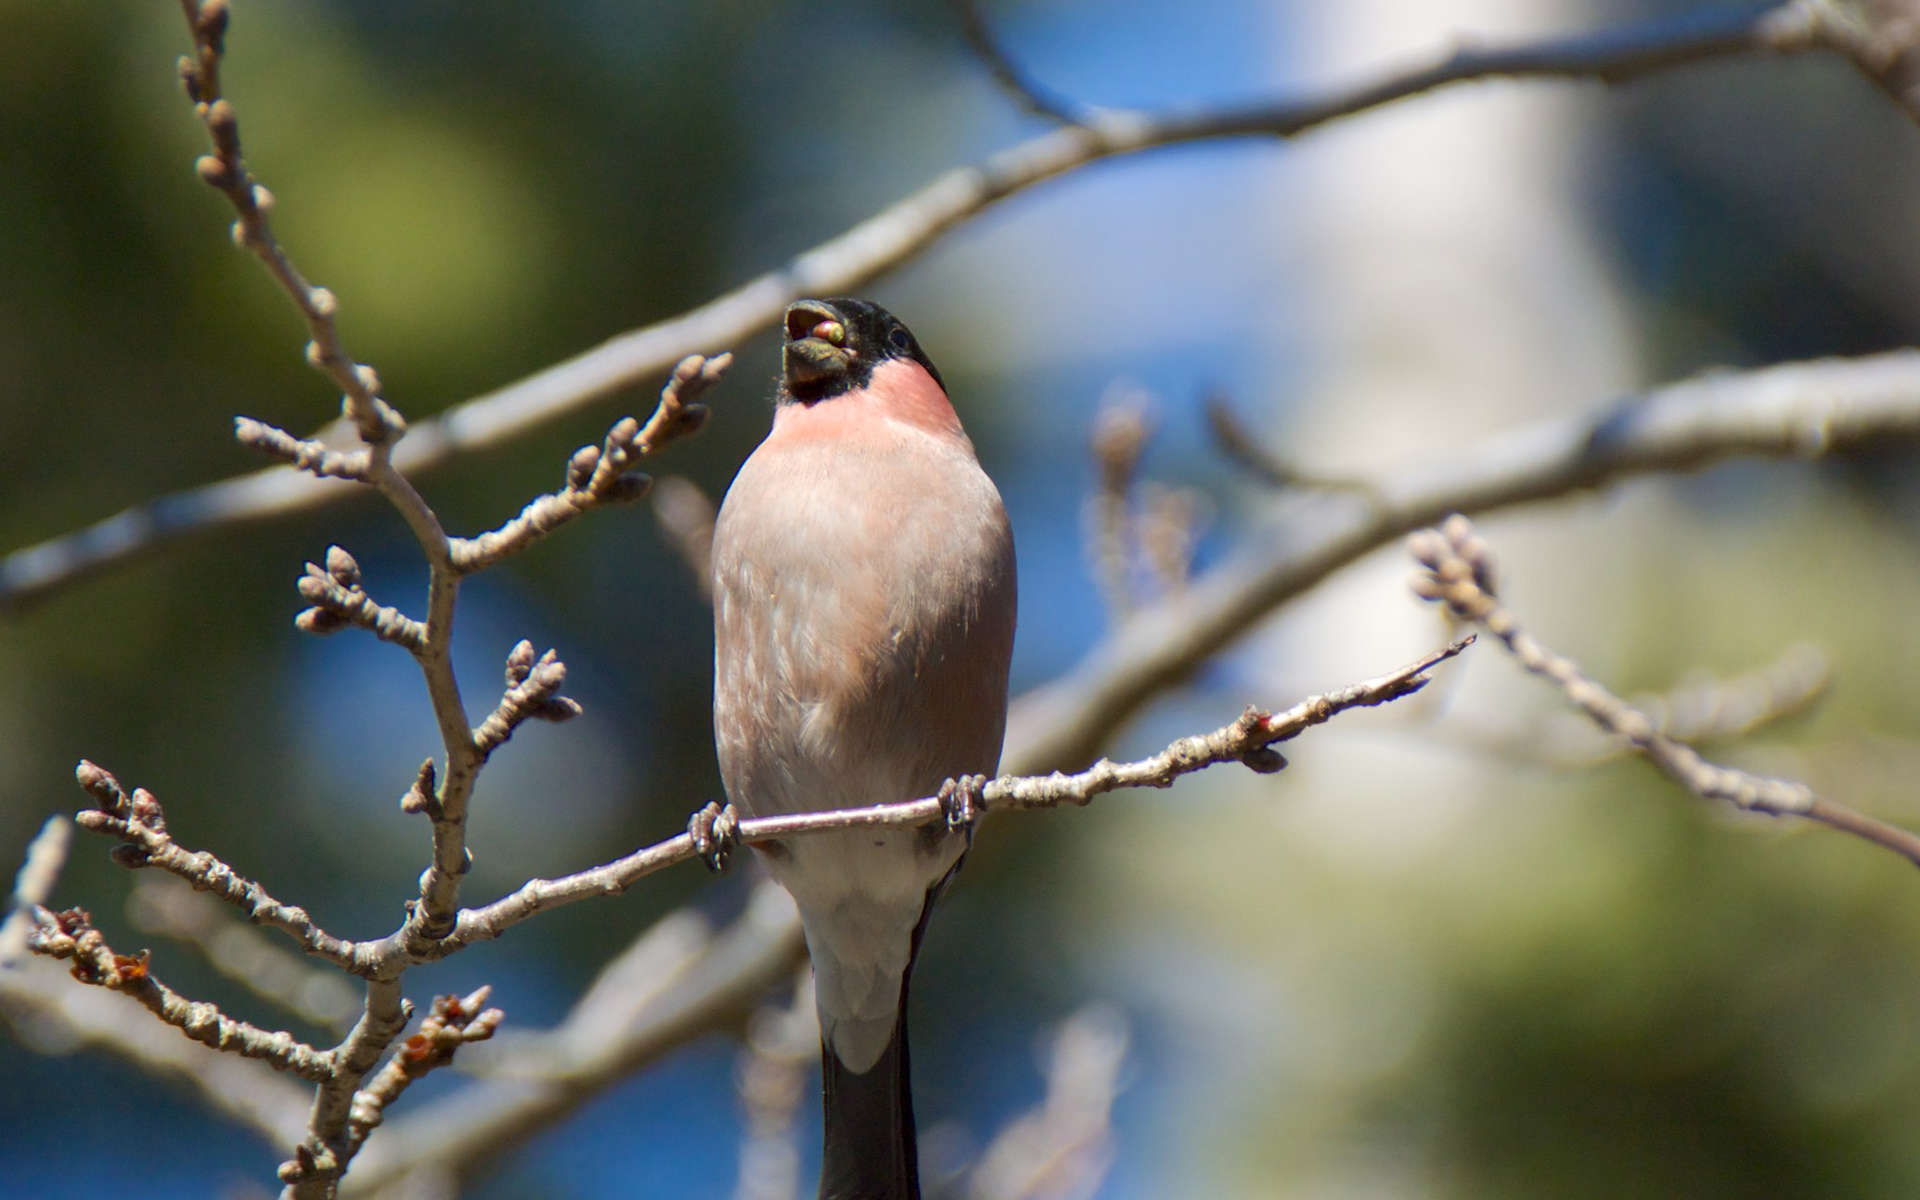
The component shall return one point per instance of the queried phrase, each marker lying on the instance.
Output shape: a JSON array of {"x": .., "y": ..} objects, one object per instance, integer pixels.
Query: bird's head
[{"x": 833, "y": 345}]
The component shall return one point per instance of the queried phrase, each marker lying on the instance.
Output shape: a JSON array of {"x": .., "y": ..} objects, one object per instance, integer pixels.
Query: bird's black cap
[{"x": 833, "y": 345}]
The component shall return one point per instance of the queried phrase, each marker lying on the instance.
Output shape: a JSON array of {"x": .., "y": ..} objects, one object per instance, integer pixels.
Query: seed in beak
[{"x": 830, "y": 331}]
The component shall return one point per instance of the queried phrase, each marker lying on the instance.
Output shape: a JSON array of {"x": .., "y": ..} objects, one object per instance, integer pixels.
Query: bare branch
[
  {"x": 1170, "y": 523},
  {"x": 46, "y": 855},
  {"x": 305, "y": 454},
  {"x": 1242, "y": 447},
  {"x": 141, "y": 825},
  {"x": 1248, "y": 740},
  {"x": 533, "y": 690},
  {"x": 1701, "y": 708},
  {"x": 879, "y": 243},
  {"x": 321, "y": 1159},
  {"x": 598, "y": 475},
  {"x": 334, "y": 592},
  {"x": 172, "y": 908},
  {"x": 686, "y": 515},
  {"x": 70, "y": 935},
  {"x": 440, "y": 883},
  {"x": 224, "y": 171},
  {"x": 1038, "y": 100},
  {"x": 1455, "y": 561},
  {"x": 1119, "y": 437},
  {"x": 339, "y": 600},
  {"x": 453, "y": 1022},
  {"x": 1882, "y": 37},
  {"x": 666, "y": 991},
  {"x": 343, "y": 1111}
]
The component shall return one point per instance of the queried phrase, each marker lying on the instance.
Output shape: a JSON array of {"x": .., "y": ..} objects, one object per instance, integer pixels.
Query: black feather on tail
[{"x": 870, "y": 1153}]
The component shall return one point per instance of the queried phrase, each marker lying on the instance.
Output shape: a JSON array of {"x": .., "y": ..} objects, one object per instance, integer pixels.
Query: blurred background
[{"x": 1420, "y": 962}]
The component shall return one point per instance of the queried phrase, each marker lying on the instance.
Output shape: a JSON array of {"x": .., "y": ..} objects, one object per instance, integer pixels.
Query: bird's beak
[{"x": 816, "y": 346}]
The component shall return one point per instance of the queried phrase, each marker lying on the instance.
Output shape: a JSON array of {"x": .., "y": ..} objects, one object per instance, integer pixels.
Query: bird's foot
[
  {"x": 963, "y": 799},
  {"x": 715, "y": 831}
]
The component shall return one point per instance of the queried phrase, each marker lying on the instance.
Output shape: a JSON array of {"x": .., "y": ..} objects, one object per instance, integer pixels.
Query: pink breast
[{"x": 900, "y": 390}]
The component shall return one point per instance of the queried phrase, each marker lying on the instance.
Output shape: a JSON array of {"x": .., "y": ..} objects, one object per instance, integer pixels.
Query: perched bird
[{"x": 863, "y": 589}]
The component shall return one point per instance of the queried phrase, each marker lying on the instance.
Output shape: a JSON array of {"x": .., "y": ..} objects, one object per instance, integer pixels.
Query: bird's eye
[{"x": 898, "y": 338}]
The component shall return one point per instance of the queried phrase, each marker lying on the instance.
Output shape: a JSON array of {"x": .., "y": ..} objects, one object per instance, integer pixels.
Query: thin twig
[
  {"x": 1242, "y": 447},
  {"x": 225, "y": 171},
  {"x": 453, "y": 1022},
  {"x": 1119, "y": 437},
  {"x": 1248, "y": 740},
  {"x": 70, "y": 935},
  {"x": 533, "y": 691},
  {"x": 1882, "y": 37},
  {"x": 322, "y": 1158},
  {"x": 340, "y": 600},
  {"x": 599, "y": 475},
  {"x": 686, "y": 515},
  {"x": 1168, "y": 527},
  {"x": 138, "y": 821},
  {"x": 888, "y": 238},
  {"x": 40, "y": 870},
  {"x": 1030, "y": 95},
  {"x": 1455, "y": 561},
  {"x": 652, "y": 1001},
  {"x": 172, "y": 908},
  {"x": 1699, "y": 709},
  {"x": 316, "y": 458}
]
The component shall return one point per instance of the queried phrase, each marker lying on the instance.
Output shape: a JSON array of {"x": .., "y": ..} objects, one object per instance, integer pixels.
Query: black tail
[{"x": 870, "y": 1152}]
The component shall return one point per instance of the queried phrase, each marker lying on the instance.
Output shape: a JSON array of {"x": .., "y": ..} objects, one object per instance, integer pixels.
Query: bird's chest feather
[
  {"x": 863, "y": 574},
  {"x": 861, "y": 563}
]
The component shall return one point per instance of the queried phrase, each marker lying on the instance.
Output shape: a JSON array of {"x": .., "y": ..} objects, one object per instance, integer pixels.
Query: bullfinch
[{"x": 863, "y": 587}]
